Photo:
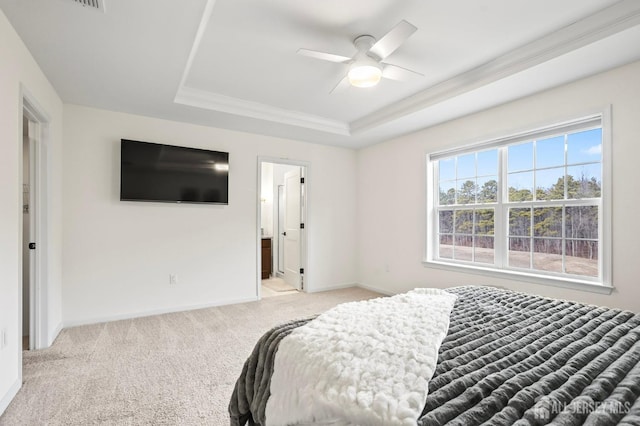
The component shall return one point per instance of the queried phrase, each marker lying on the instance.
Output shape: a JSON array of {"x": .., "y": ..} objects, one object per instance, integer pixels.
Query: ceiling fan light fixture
[{"x": 364, "y": 75}]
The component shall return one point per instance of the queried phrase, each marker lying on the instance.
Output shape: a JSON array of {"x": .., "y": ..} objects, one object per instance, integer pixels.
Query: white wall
[
  {"x": 391, "y": 189},
  {"x": 118, "y": 255},
  {"x": 18, "y": 67}
]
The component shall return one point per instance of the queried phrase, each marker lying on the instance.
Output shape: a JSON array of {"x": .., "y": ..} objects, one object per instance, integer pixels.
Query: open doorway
[
  {"x": 33, "y": 206},
  {"x": 27, "y": 228},
  {"x": 282, "y": 211}
]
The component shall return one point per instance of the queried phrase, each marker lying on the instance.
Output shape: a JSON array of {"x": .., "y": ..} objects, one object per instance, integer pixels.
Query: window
[{"x": 531, "y": 204}]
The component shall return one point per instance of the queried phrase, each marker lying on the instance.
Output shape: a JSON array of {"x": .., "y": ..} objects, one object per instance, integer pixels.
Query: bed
[{"x": 506, "y": 358}]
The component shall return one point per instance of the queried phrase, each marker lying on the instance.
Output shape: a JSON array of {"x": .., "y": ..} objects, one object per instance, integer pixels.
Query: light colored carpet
[
  {"x": 277, "y": 284},
  {"x": 172, "y": 369},
  {"x": 267, "y": 292}
]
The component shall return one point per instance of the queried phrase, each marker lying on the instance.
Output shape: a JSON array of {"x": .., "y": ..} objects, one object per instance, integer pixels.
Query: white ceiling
[{"x": 233, "y": 63}]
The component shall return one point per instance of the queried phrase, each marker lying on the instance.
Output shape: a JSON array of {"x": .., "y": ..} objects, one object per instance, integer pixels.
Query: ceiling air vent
[{"x": 92, "y": 4}]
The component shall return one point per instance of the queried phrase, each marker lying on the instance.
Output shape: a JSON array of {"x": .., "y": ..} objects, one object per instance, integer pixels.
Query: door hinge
[
  {"x": 301, "y": 180},
  {"x": 302, "y": 226},
  {"x": 32, "y": 246},
  {"x": 302, "y": 270}
]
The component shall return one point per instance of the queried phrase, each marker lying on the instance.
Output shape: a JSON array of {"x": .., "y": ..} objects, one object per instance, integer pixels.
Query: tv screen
[{"x": 156, "y": 172}]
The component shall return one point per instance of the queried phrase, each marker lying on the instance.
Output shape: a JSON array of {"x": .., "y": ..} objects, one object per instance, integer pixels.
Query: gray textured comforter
[{"x": 508, "y": 358}]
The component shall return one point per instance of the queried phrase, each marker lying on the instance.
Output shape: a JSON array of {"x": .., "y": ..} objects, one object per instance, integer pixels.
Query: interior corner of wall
[{"x": 54, "y": 334}]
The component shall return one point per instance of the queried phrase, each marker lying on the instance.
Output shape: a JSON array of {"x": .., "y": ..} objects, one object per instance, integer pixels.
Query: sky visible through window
[
  {"x": 543, "y": 160},
  {"x": 584, "y": 152}
]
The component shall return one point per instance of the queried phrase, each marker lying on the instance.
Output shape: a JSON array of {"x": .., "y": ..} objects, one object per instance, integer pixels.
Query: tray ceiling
[{"x": 233, "y": 63}]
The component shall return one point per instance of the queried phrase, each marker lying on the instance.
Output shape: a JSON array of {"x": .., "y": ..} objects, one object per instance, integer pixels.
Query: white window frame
[{"x": 602, "y": 284}]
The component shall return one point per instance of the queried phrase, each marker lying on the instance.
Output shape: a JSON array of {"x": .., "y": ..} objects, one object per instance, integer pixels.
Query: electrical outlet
[
  {"x": 3, "y": 338},
  {"x": 173, "y": 279}
]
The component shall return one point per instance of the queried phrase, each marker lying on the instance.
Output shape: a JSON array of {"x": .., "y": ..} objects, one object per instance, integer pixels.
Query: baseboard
[
  {"x": 376, "y": 289},
  {"x": 332, "y": 287},
  {"x": 11, "y": 393},
  {"x": 352, "y": 285},
  {"x": 109, "y": 318}
]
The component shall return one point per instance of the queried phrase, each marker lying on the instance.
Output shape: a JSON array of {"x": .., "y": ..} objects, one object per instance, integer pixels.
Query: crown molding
[
  {"x": 228, "y": 104},
  {"x": 213, "y": 101},
  {"x": 614, "y": 19},
  {"x": 620, "y": 16},
  {"x": 202, "y": 27}
]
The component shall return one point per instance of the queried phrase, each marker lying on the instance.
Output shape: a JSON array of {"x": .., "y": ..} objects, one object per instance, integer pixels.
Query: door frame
[
  {"x": 304, "y": 234},
  {"x": 39, "y": 212}
]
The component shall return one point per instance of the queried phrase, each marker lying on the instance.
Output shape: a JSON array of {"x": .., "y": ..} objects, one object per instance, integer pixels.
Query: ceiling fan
[{"x": 366, "y": 67}]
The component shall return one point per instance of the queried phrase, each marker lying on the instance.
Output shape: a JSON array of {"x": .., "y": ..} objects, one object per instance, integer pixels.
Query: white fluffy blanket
[{"x": 361, "y": 363}]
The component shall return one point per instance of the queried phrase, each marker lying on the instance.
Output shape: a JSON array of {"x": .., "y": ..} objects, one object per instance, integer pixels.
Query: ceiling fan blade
[
  {"x": 341, "y": 86},
  {"x": 323, "y": 56},
  {"x": 393, "y": 39},
  {"x": 394, "y": 72}
]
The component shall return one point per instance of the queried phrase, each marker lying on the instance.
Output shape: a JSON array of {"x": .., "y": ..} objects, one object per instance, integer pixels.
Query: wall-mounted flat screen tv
[{"x": 173, "y": 174}]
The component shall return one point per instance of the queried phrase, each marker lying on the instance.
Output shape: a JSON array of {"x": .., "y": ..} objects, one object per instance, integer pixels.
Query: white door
[{"x": 291, "y": 239}]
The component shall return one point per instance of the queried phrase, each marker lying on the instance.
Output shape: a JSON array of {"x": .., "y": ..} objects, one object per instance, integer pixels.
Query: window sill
[{"x": 521, "y": 276}]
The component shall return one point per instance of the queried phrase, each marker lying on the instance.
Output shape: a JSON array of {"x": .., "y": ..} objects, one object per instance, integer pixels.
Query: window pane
[
  {"x": 445, "y": 249},
  {"x": 445, "y": 222},
  {"x": 550, "y": 152},
  {"x": 447, "y": 192},
  {"x": 581, "y": 257},
  {"x": 584, "y": 181},
  {"x": 584, "y": 147},
  {"x": 530, "y": 205},
  {"x": 519, "y": 252},
  {"x": 487, "y": 189},
  {"x": 466, "y": 166},
  {"x": 550, "y": 184},
  {"x": 582, "y": 222},
  {"x": 547, "y": 222},
  {"x": 466, "y": 192},
  {"x": 464, "y": 222},
  {"x": 483, "y": 251},
  {"x": 547, "y": 254},
  {"x": 520, "y": 157},
  {"x": 520, "y": 222},
  {"x": 488, "y": 163},
  {"x": 447, "y": 169},
  {"x": 484, "y": 222},
  {"x": 463, "y": 247},
  {"x": 520, "y": 186}
]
